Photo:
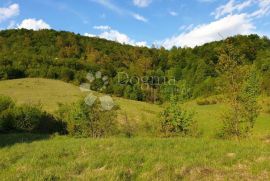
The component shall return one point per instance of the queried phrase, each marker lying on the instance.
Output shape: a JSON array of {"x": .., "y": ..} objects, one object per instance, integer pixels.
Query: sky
[{"x": 164, "y": 23}]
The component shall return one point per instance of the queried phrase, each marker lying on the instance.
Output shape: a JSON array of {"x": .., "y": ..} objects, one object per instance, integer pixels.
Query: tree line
[{"x": 69, "y": 57}]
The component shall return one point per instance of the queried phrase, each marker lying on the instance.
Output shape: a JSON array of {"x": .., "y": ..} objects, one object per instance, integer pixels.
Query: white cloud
[
  {"x": 231, "y": 7},
  {"x": 109, "y": 5},
  {"x": 89, "y": 35},
  {"x": 139, "y": 17},
  {"x": 102, "y": 27},
  {"x": 142, "y": 3},
  {"x": 141, "y": 44},
  {"x": 264, "y": 8},
  {"x": 186, "y": 27},
  {"x": 117, "y": 9},
  {"x": 9, "y": 12},
  {"x": 173, "y": 13},
  {"x": 33, "y": 24},
  {"x": 227, "y": 26},
  {"x": 232, "y": 18},
  {"x": 115, "y": 35}
]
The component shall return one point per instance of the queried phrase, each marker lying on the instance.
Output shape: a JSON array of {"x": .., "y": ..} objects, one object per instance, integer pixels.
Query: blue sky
[{"x": 142, "y": 22}]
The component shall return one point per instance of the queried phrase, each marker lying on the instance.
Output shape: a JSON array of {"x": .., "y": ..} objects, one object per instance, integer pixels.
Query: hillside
[
  {"x": 136, "y": 90},
  {"x": 142, "y": 157},
  {"x": 49, "y": 93},
  {"x": 69, "y": 57}
]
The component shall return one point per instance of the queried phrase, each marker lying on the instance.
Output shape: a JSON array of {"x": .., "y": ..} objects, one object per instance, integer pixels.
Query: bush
[
  {"x": 6, "y": 121},
  {"x": 88, "y": 121},
  {"x": 177, "y": 121},
  {"x": 27, "y": 118},
  {"x": 6, "y": 103}
]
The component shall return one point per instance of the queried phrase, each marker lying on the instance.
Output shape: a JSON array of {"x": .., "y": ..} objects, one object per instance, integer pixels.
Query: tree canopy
[{"x": 69, "y": 57}]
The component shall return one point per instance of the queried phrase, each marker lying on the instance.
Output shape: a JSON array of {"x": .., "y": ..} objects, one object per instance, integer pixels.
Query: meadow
[
  {"x": 49, "y": 93},
  {"x": 142, "y": 157}
]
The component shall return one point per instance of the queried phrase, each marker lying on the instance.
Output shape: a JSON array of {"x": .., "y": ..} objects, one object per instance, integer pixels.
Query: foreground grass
[{"x": 39, "y": 157}]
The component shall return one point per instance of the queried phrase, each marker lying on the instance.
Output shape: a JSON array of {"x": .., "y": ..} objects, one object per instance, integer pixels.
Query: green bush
[
  {"x": 6, "y": 121},
  {"x": 30, "y": 118},
  {"x": 27, "y": 118},
  {"x": 88, "y": 121},
  {"x": 6, "y": 103},
  {"x": 175, "y": 121}
]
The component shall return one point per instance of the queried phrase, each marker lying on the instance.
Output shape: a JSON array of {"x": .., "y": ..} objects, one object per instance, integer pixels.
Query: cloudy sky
[{"x": 142, "y": 22}]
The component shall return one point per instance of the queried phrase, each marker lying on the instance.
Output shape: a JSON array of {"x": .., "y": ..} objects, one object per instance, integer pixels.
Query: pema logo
[{"x": 106, "y": 100}]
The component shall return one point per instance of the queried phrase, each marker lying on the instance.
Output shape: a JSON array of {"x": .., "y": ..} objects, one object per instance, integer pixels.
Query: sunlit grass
[
  {"x": 68, "y": 158},
  {"x": 143, "y": 157},
  {"x": 49, "y": 93}
]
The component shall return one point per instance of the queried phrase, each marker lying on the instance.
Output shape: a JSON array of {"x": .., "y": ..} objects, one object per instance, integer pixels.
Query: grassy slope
[
  {"x": 42, "y": 157},
  {"x": 51, "y": 92}
]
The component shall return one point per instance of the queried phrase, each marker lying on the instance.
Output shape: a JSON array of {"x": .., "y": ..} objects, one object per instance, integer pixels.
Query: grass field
[
  {"x": 28, "y": 157},
  {"x": 143, "y": 157},
  {"x": 51, "y": 92}
]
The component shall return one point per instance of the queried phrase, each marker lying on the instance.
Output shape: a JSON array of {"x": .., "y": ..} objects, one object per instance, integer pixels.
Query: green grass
[
  {"x": 64, "y": 158},
  {"x": 44, "y": 91},
  {"x": 143, "y": 157},
  {"x": 209, "y": 118},
  {"x": 51, "y": 92}
]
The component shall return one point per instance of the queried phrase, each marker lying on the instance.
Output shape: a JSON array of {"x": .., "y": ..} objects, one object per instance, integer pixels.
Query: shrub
[
  {"x": 88, "y": 121},
  {"x": 27, "y": 118},
  {"x": 6, "y": 103},
  {"x": 6, "y": 121},
  {"x": 177, "y": 121}
]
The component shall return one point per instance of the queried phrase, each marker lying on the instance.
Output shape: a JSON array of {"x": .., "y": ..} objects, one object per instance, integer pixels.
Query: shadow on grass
[{"x": 11, "y": 139}]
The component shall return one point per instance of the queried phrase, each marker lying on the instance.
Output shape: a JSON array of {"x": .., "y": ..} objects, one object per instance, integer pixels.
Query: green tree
[{"x": 240, "y": 87}]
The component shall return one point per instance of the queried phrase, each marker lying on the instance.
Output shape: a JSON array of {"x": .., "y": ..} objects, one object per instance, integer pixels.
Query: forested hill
[{"x": 67, "y": 56}]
